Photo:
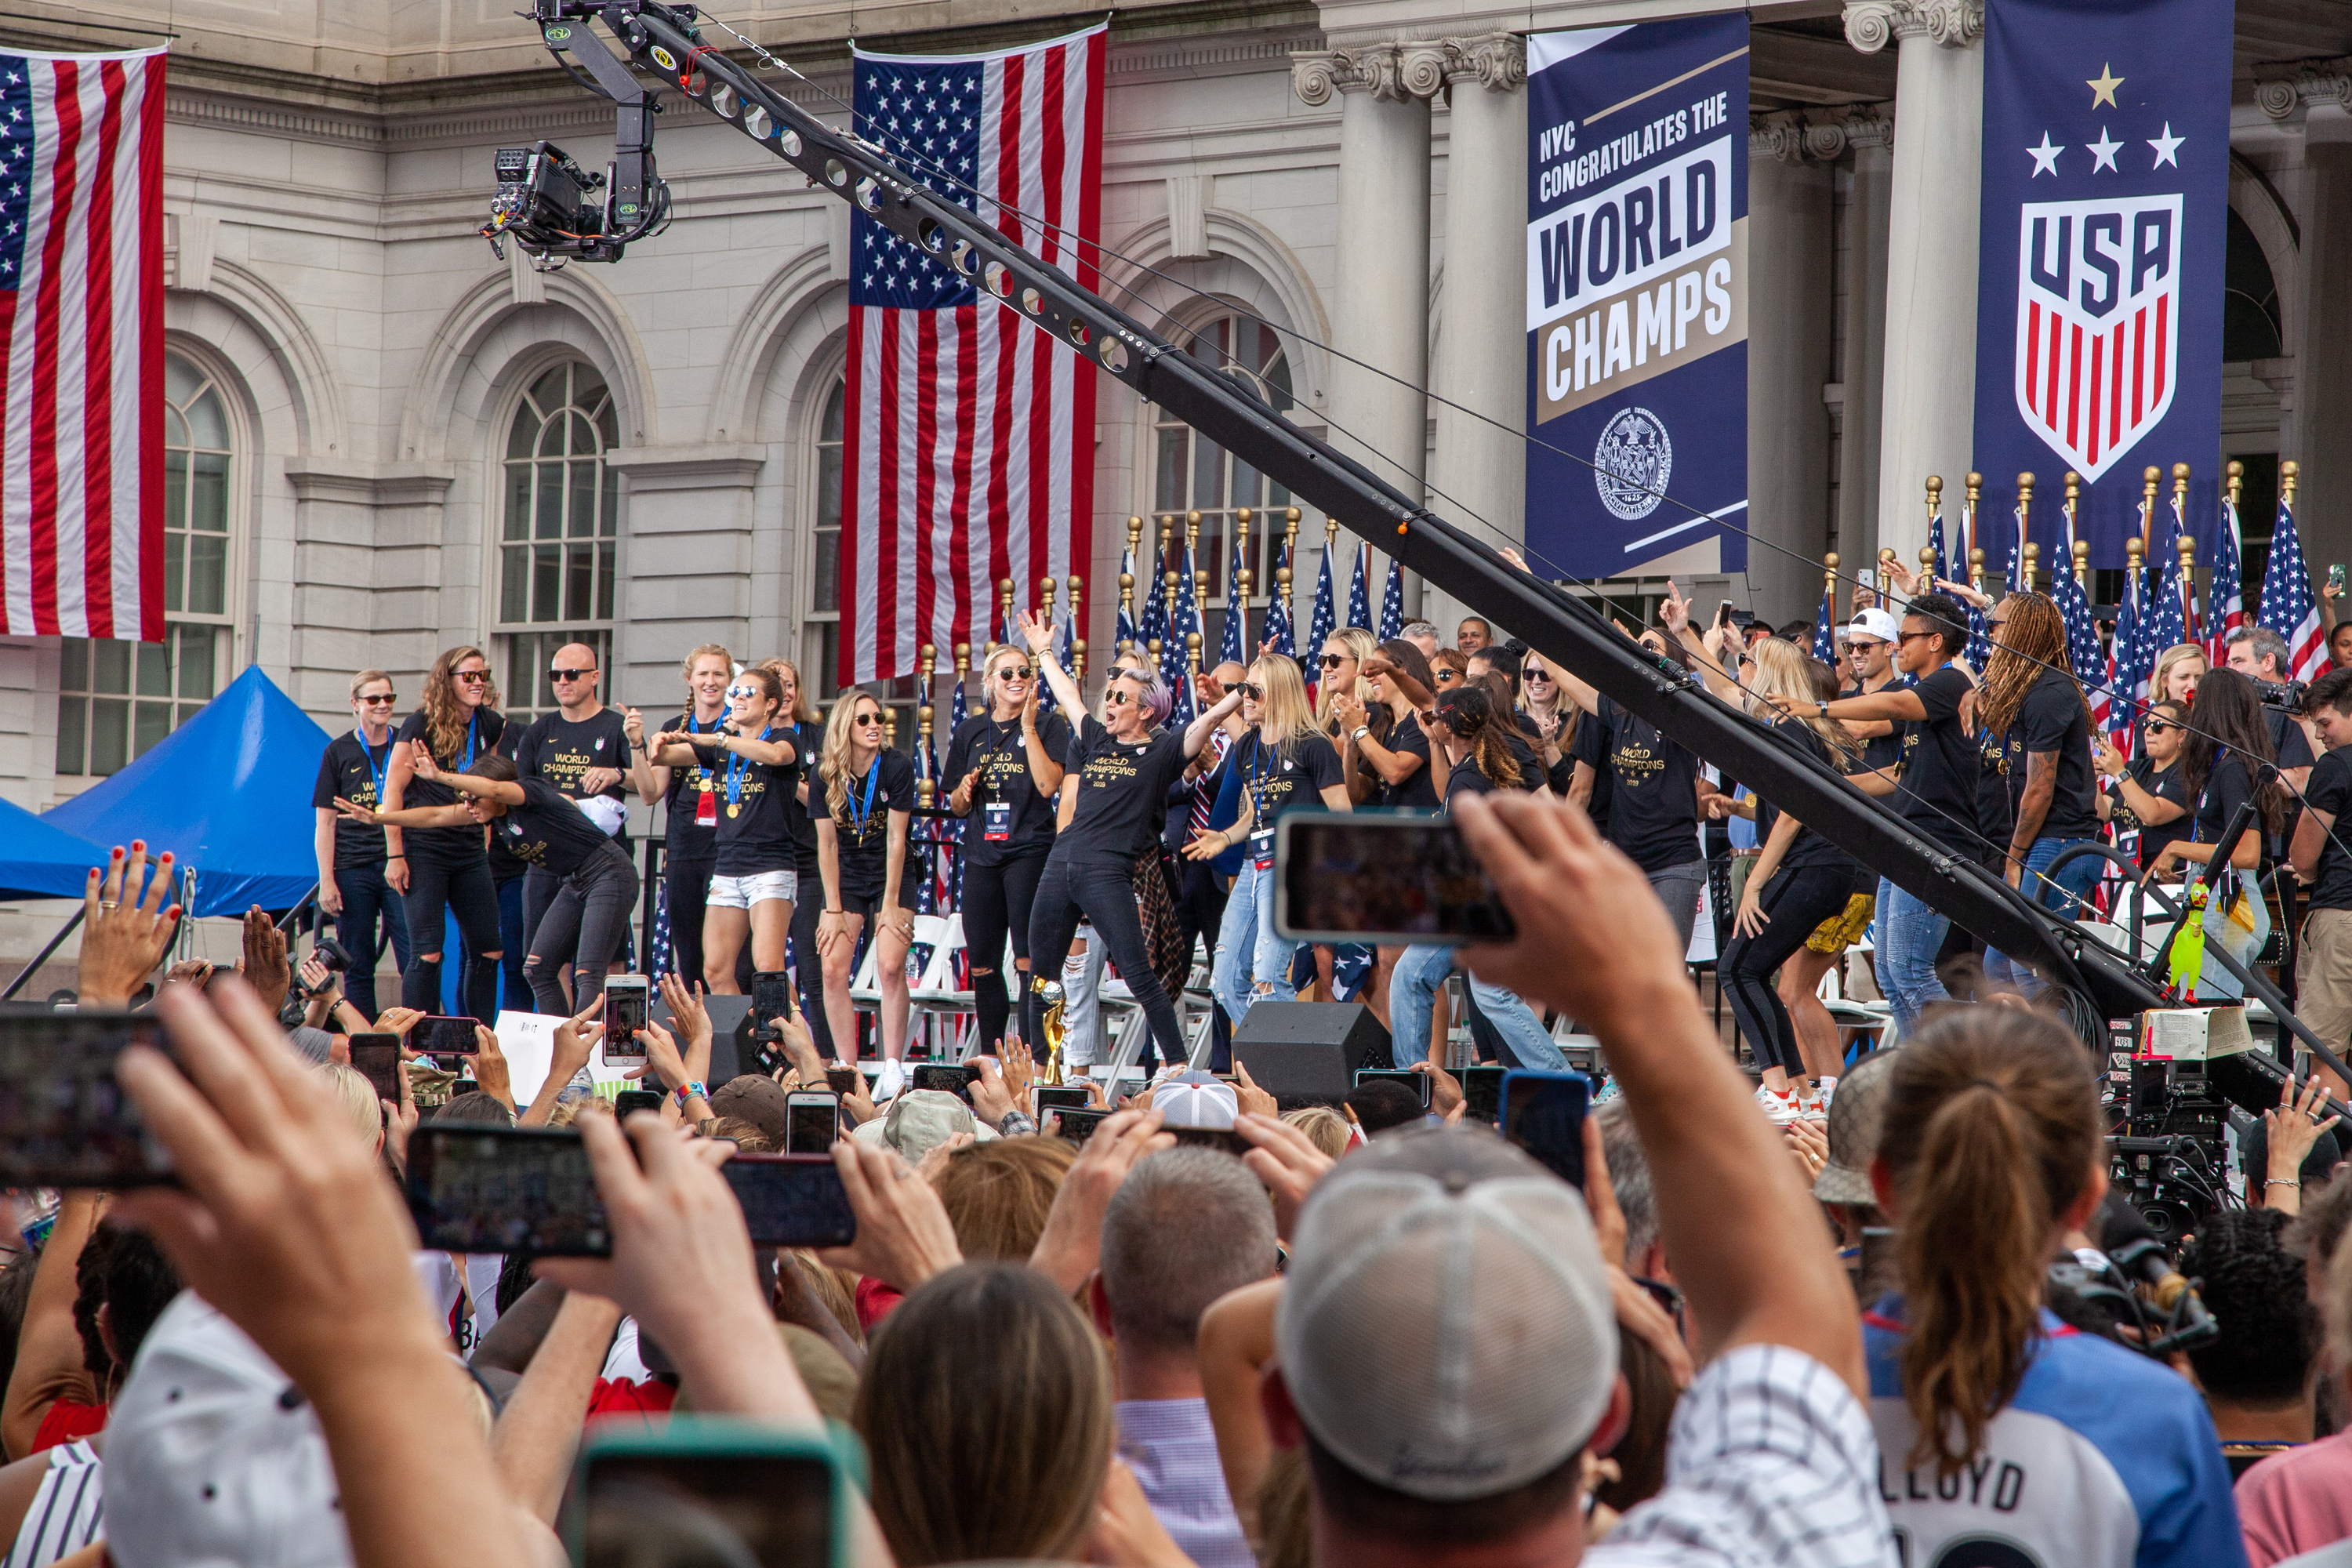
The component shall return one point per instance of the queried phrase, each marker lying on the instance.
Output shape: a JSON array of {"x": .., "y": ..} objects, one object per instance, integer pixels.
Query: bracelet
[
  {"x": 1824, "y": 709},
  {"x": 1360, "y": 732},
  {"x": 696, "y": 1089},
  {"x": 2282, "y": 1182},
  {"x": 395, "y": 857}
]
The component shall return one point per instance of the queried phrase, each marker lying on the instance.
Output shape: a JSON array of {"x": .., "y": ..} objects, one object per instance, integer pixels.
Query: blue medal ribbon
[
  {"x": 738, "y": 768},
  {"x": 382, "y": 775},
  {"x": 859, "y": 818}
]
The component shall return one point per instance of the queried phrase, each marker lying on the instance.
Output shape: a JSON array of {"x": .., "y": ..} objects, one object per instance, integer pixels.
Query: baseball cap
[
  {"x": 761, "y": 1101},
  {"x": 1856, "y": 1111},
  {"x": 1874, "y": 623},
  {"x": 213, "y": 1456},
  {"x": 1474, "y": 1272},
  {"x": 1196, "y": 1099}
]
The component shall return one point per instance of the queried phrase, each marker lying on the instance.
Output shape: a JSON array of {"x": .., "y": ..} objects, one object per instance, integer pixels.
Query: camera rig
[{"x": 550, "y": 208}]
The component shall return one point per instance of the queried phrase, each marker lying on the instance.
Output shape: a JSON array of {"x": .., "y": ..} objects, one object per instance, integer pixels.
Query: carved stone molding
[
  {"x": 1398, "y": 71},
  {"x": 2286, "y": 98},
  {"x": 1496, "y": 61},
  {"x": 1798, "y": 136},
  {"x": 1872, "y": 25}
]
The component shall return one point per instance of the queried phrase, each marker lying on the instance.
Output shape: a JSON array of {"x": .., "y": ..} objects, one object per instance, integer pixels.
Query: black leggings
[
  {"x": 1101, "y": 891},
  {"x": 1797, "y": 900},
  {"x": 584, "y": 925},
  {"x": 685, "y": 884},
  {"x": 998, "y": 900},
  {"x": 462, "y": 887}
]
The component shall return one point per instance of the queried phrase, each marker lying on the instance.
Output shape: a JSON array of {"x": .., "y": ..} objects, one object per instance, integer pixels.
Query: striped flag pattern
[
  {"x": 2288, "y": 607},
  {"x": 1321, "y": 622},
  {"x": 2225, "y": 609},
  {"x": 968, "y": 455},
  {"x": 1825, "y": 626},
  {"x": 81, "y": 315},
  {"x": 1359, "y": 603},
  {"x": 1277, "y": 608},
  {"x": 1233, "y": 646},
  {"x": 1175, "y": 657},
  {"x": 1393, "y": 603}
]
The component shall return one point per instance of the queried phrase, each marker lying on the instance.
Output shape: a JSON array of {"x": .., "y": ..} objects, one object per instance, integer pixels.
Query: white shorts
[{"x": 743, "y": 892}]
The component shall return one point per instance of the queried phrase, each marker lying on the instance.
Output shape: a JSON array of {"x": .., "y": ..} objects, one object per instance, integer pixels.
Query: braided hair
[{"x": 2034, "y": 641}]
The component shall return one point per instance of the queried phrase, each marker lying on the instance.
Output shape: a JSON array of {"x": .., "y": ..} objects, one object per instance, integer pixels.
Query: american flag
[
  {"x": 2082, "y": 650},
  {"x": 1123, "y": 634},
  {"x": 2164, "y": 626},
  {"x": 1154, "y": 626},
  {"x": 946, "y": 866},
  {"x": 1277, "y": 608},
  {"x": 968, "y": 453},
  {"x": 1825, "y": 625},
  {"x": 1936, "y": 544},
  {"x": 1233, "y": 646},
  {"x": 81, "y": 314},
  {"x": 1175, "y": 657},
  {"x": 2288, "y": 607},
  {"x": 1359, "y": 603},
  {"x": 2127, "y": 673},
  {"x": 1321, "y": 620},
  {"x": 1392, "y": 603}
]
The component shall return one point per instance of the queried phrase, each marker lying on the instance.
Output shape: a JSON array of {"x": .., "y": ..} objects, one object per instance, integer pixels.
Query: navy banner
[
  {"x": 1637, "y": 295},
  {"x": 2107, "y": 149}
]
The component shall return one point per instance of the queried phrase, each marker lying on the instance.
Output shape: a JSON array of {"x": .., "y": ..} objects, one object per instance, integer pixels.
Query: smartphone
[
  {"x": 436, "y": 1036},
  {"x": 812, "y": 1121},
  {"x": 474, "y": 1188},
  {"x": 1371, "y": 878},
  {"x": 791, "y": 1200},
  {"x": 1543, "y": 1113},
  {"x": 376, "y": 1057},
  {"x": 954, "y": 1079},
  {"x": 1723, "y": 613},
  {"x": 2336, "y": 577},
  {"x": 628, "y": 1008},
  {"x": 1077, "y": 1126},
  {"x": 844, "y": 1081},
  {"x": 1481, "y": 1094},
  {"x": 1419, "y": 1082},
  {"x": 771, "y": 998},
  {"x": 463, "y": 1086},
  {"x": 708, "y": 1488},
  {"x": 63, "y": 1122},
  {"x": 629, "y": 1101},
  {"x": 1054, "y": 1097}
]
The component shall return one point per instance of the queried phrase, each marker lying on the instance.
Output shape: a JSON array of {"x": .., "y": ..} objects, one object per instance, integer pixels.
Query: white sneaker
[
  {"x": 1812, "y": 1105},
  {"x": 1780, "y": 1108},
  {"x": 889, "y": 1081}
]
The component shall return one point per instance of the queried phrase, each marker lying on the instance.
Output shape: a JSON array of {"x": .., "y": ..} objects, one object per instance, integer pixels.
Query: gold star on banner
[{"x": 2103, "y": 88}]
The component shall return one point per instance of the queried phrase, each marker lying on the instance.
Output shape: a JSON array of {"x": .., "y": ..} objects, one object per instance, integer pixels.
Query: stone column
[
  {"x": 1478, "y": 470},
  {"x": 1928, "y": 420},
  {"x": 1381, "y": 297},
  {"x": 2315, "y": 102},
  {"x": 1863, "y": 372},
  {"x": 1788, "y": 246}
]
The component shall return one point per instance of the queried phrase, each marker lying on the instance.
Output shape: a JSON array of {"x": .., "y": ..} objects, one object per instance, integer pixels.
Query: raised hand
[
  {"x": 266, "y": 968},
  {"x": 904, "y": 1235},
  {"x": 1036, "y": 634},
  {"x": 127, "y": 928},
  {"x": 422, "y": 758}
]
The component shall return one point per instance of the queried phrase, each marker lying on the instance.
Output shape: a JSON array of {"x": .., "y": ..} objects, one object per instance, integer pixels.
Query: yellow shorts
[{"x": 1839, "y": 932}]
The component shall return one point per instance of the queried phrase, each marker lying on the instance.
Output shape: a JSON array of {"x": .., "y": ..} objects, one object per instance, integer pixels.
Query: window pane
[
  {"x": 175, "y": 570},
  {"x": 109, "y": 735},
  {"x": 605, "y": 581},
  {"x": 175, "y": 489},
  {"x": 176, "y": 428},
  {"x": 551, "y": 437},
  {"x": 548, "y": 390},
  {"x": 547, "y": 575},
  {"x": 517, "y": 500},
  {"x": 111, "y": 666},
  {"x": 608, "y": 425},
  {"x": 196, "y": 646},
  {"x": 73, "y": 721},
  {"x": 1245, "y": 485},
  {"x": 579, "y": 580},
  {"x": 608, "y": 502},
  {"x": 154, "y": 670},
  {"x": 1169, "y": 492},
  {"x": 1209, "y": 555},
  {"x": 207, "y": 575},
  {"x": 551, "y": 501},
  {"x": 73, "y": 672},
  {"x": 1208, "y": 475},
  {"x": 182, "y": 380},
  {"x": 152, "y": 723},
  {"x": 587, "y": 385},
  {"x": 824, "y": 570},
  {"x": 208, "y": 422},
  {"x": 208, "y": 492},
  {"x": 582, "y": 506},
  {"x": 514, "y": 584},
  {"x": 828, "y": 662},
  {"x": 583, "y": 435},
  {"x": 833, "y": 407},
  {"x": 526, "y": 428}
]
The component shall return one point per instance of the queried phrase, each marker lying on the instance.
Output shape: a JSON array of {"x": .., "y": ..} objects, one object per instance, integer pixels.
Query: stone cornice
[
  {"x": 1410, "y": 68},
  {"x": 1798, "y": 136},
  {"x": 2321, "y": 84},
  {"x": 1872, "y": 25}
]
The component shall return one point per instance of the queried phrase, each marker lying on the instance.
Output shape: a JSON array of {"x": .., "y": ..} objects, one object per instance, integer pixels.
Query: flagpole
[
  {"x": 1241, "y": 553},
  {"x": 2073, "y": 503},
  {"x": 2027, "y": 554},
  {"x": 2149, "y": 478},
  {"x": 1974, "y": 491},
  {"x": 1934, "y": 509}
]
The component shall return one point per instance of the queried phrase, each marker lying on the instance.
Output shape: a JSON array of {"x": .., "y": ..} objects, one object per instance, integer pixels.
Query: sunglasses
[
  {"x": 1334, "y": 660},
  {"x": 560, "y": 675},
  {"x": 2158, "y": 726},
  {"x": 472, "y": 677},
  {"x": 1902, "y": 637},
  {"x": 873, "y": 719},
  {"x": 380, "y": 701},
  {"x": 747, "y": 694},
  {"x": 1535, "y": 672},
  {"x": 1667, "y": 1296},
  {"x": 1252, "y": 691},
  {"x": 1116, "y": 699},
  {"x": 1011, "y": 674}
]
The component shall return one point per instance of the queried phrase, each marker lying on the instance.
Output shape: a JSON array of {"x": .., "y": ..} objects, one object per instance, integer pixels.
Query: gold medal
[{"x": 732, "y": 808}]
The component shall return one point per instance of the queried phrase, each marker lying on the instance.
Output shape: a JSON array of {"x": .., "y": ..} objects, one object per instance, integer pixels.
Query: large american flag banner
[
  {"x": 970, "y": 437},
  {"x": 81, "y": 315}
]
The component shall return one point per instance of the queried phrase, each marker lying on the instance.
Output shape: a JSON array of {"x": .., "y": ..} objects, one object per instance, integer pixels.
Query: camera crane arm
[{"x": 665, "y": 38}]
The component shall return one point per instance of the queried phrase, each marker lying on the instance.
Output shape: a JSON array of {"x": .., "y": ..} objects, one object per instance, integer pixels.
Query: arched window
[
  {"x": 821, "y": 618},
  {"x": 1193, "y": 474},
  {"x": 559, "y": 532},
  {"x": 116, "y": 698},
  {"x": 2250, "y": 301}
]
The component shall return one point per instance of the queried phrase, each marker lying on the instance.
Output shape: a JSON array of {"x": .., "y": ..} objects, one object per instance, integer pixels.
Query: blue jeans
[
  {"x": 1413, "y": 983},
  {"x": 2069, "y": 893},
  {"x": 371, "y": 912},
  {"x": 1248, "y": 953},
  {"x": 1910, "y": 934}
]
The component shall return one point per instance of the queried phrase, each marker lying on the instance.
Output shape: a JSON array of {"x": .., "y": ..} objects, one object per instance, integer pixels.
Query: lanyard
[
  {"x": 1257, "y": 775},
  {"x": 468, "y": 766},
  {"x": 382, "y": 775},
  {"x": 693, "y": 727},
  {"x": 738, "y": 768},
  {"x": 858, "y": 818}
]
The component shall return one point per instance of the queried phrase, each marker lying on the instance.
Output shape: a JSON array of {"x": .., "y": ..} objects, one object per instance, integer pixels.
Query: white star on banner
[
  {"x": 2045, "y": 157},
  {"x": 2103, "y": 150},
  {"x": 2165, "y": 146}
]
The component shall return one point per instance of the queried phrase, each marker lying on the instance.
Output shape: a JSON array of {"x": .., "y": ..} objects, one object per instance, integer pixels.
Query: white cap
[
  {"x": 213, "y": 1456},
  {"x": 1196, "y": 1099},
  {"x": 1446, "y": 1328},
  {"x": 606, "y": 811},
  {"x": 1874, "y": 623}
]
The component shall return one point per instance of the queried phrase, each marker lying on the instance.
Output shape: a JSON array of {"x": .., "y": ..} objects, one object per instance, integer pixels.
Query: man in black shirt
[
  {"x": 2323, "y": 970},
  {"x": 2260, "y": 655},
  {"x": 1932, "y": 786},
  {"x": 582, "y": 749}
]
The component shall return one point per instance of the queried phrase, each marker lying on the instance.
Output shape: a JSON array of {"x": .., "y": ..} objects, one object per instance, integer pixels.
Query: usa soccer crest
[{"x": 2098, "y": 324}]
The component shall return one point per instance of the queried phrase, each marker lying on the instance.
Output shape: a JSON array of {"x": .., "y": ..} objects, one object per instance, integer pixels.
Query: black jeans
[
  {"x": 1200, "y": 895},
  {"x": 1101, "y": 891},
  {"x": 1796, "y": 900},
  {"x": 686, "y": 886},
  {"x": 998, "y": 901},
  {"x": 372, "y": 913},
  {"x": 585, "y": 925},
  {"x": 461, "y": 886}
]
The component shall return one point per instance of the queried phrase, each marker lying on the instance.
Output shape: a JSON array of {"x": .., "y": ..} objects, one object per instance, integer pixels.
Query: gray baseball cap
[{"x": 1856, "y": 1111}]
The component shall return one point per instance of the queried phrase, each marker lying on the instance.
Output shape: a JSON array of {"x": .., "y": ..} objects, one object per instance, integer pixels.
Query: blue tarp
[
  {"x": 39, "y": 859},
  {"x": 228, "y": 793}
]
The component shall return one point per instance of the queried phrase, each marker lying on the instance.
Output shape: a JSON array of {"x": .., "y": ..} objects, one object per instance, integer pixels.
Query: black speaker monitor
[
  {"x": 1307, "y": 1053},
  {"x": 730, "y": 1033}
]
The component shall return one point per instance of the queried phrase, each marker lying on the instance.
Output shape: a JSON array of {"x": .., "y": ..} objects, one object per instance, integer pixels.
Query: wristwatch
[
  {"x": 1824, "y": 709},
  {"x": 692, "y": 1090}
]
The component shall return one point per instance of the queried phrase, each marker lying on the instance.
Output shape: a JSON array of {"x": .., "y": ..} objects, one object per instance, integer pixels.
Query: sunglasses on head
[
  {"x": 385, "y": 700},
  {"x": 471, "y": 677},
  {"x": 561, "y": 675}
]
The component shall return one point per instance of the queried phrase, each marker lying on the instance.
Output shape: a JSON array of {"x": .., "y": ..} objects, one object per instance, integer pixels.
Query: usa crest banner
[
  {"x": 2106, "y": 201},
  {"x": 1637, "y": 296}
]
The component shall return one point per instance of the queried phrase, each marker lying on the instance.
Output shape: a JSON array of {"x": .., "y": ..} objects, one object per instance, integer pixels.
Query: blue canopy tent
[
  {"x": 39, "y": 859},
  {"x": 228, "y": 793}
]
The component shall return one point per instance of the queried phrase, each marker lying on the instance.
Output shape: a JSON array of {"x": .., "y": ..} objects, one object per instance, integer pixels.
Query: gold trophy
[{"x": 1052, "y": 1027}]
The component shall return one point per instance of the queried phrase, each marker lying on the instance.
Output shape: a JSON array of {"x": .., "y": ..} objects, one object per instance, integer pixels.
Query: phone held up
[
  {"x": 1543, "y": 1113},
  {"x": 476, "y": 1188},
  {"x": 628, "y": 1008},
  {"x": 63, "y": 1120},
  {"x": 436, "y": 1036},
  {"x": 1369, "y": 877},
  {"x": 812, "y": 1121},
  {"x": 711, "y": 1489},
  {"x": 376, "y": 1057}
]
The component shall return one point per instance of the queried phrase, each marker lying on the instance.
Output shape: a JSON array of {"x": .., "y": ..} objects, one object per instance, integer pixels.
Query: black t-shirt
[
  {"x": 1531, "y": 773},
  {"x": 2171, "y": 785},
  {"x": 1466, "y": 779},
  {"x": 1021, "y": 820},
  {"x": 1999, "y": 763},
  {"x": 351, "y": 769},
  {"x": 808, "y": 739},
  {"x": 548, "y": 831},
  {"x": 559, "y": 750},
  {"x": 2288, "y": 740},
  {"x": 2329, "y": 789},
  {"x": 1278, "y": 778},
  {"x": 1808, "y": 849},
  {"x": 1419, "y": 792},
  {"x": 1122, "y": 791},
  {"x": 756, "y": 810},
  {"x": 691, "y": 803},
  {"x": 482, "y": 733},
  {"x": 2226, "y": 789},
  {"x": 861, "y": 828},
  {"x": 1878, "y": 750},
  {"x": 1653, "y": 787},
  {"x": 2052, "y": 718},
  {"x": 1937, "y": 794}
]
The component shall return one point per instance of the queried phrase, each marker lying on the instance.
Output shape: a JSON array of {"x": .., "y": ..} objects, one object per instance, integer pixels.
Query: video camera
[
  {"x": 2285, "y": 696},
  {"x": 549, "y": 205}
]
